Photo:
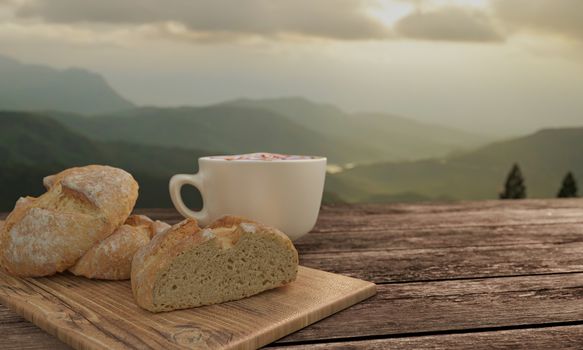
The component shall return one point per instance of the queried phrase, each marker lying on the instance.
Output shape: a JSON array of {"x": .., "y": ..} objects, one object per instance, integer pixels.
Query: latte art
[{"x": 264, "y": 156}]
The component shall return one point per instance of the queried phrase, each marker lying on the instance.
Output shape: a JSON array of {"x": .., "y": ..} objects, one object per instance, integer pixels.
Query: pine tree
[
  {"x": 514, "y": 187},
  {"x": 568, "y": 187}
]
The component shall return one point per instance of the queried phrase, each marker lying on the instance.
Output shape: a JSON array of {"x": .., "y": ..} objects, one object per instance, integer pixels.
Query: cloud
[
  {"x": 557, "y": 17},
  {"x": 215, "y": 21},
  {"x": 334, "y": 19},
  {"x": 448, "y": 24}
]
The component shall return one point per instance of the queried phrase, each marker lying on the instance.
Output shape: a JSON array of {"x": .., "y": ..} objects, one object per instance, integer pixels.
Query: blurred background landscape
[{"x": 430, "y": 100}]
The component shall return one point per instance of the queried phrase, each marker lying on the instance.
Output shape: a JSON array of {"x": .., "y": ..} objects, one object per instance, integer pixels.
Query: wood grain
[
  {"x": 478, "y": 266},
  {"x": 551, "y": 338},
  {"x": 390, "y": 238},
  {"x": 89, "y": 314},
  {"x": 411, "y": 308},
  {"x": 367, "y": 217},
  {"x": 447, "y": 306},
  {"x": 406, "y": 265},
  {"x": 25, "y": 335}
]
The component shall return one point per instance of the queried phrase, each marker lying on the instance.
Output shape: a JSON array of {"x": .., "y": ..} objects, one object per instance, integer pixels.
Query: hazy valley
[{"x": 55, "y": 119}]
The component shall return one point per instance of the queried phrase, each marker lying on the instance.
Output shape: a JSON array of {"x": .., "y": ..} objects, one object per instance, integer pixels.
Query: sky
[{"x": 492, "y": 66}]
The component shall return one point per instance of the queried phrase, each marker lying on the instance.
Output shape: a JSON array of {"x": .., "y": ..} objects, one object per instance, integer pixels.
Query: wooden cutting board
[{"x": 88, "y": 314}]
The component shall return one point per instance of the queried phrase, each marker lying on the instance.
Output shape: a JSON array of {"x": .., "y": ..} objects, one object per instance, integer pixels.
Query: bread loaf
[
  {"x": 232, "y": 258},
  {"x": 50, "y": 233},
  {"x": 111, "y": 259}
]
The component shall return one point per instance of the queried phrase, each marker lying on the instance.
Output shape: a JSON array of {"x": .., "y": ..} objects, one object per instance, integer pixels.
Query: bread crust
[
  {"x": 156, "y": 256},
  {"x": 50, "y": 233},
  {"x": 111, "y": 258},
  {"x": 112, "y": 190}
]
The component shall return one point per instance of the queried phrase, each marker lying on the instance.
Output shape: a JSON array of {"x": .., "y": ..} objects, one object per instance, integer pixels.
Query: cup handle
[{"x": 175, "y": 185}]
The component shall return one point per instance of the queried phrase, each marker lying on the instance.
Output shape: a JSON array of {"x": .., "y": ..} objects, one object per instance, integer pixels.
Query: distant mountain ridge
[
  {"x": 282, "y": 125},
  {"x": 79, "y": 119},
  {"x": 223, "y": 128},
  {"x": 544, "y": 157},
  {"x": 33, "y": 146},
  {"x": 297, "y": 126},
  {"x": 28, "y": 87},
  {"x": 396, "y": 138},
  {"x": 36, "y": 145}
]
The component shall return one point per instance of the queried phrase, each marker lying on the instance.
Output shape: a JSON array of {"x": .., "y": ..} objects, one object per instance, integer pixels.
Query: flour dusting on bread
[
  {"x": 208, "y": 233},
  {"x": 30, "y": 235},
  {"x": 50, "y": 233},
  {"x": 100, "y": 186},
  {"x": 247, "y": 227},
  {"x": 111, "y": 258}
]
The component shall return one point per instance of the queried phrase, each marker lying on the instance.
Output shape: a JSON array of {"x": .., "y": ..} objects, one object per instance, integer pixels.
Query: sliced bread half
[
  {"x": 111, "y": 258},
  {"x": 230, "y": 259}
]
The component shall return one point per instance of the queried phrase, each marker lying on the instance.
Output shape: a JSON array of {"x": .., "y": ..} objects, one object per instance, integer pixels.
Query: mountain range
[
  {"x": 33, "y": 146},
  {"x": 385, "y": 136},
  {"x": 53, "y": 119},
  {"x": 299, "y": 126},
  {"x": 27, "y": 87},
  {"x": 223, "y": 128},
  {"x": 544, "y": 157},
  {"x": 84, "y": 102}
]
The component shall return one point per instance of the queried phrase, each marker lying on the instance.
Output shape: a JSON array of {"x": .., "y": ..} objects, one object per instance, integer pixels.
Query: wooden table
[{"x": 464, "y": 275}]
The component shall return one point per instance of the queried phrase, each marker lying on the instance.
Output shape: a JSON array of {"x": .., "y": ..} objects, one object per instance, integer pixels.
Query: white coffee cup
[{"x": 283, "y": 193}]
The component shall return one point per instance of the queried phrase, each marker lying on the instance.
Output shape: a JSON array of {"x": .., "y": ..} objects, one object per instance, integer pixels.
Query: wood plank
[
  {"x": 551, "y": 338},
  {"x": 562, "y": 210},
  {"x": 25, "y": 335},
  {"x": 90, "y": 314},
  {"x": 410, "y": 216},
  {"x": 414, "y": 226},
  {"x": 449, "y": 237},
  {"x": 8, "y": 316},
  {"x": 448, "y": 306},
  {"x": 405, "y": 265},
  {"x": 17, "y": 333},
  {"x": 452, "y": 207},
  {"x": 369, "y": 216},
  {"x": 433, "y": 232}
]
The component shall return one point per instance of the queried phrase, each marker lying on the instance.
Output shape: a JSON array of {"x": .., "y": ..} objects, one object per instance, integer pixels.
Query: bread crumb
[
  {"x": 208, "y": 233},
  {"x": 247, "y": 227}
]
